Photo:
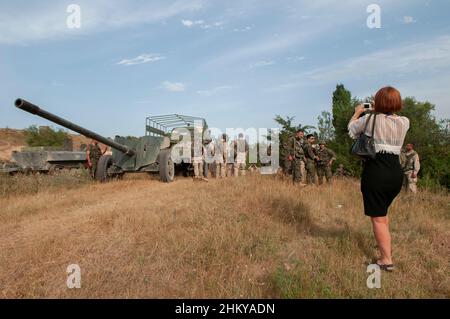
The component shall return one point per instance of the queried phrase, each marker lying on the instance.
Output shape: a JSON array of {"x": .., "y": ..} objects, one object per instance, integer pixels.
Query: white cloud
[
  {"x": 143, "y": 58},
  {"x": 261, "y": 64},
  {"x": 408, "y": 20},
  {"x": 432, "y": 55},
  {"x": 187, "y": 23},
  {"x": 202, "y": 24},
  {"x": 214, "y": 91},
  {"x": 295, "y": 58},
  {"x": 47, "y": 20},
  {"x": 243, "y": 29},
  {"x": 190, "y": 23},
  {"x": 333, "y": 19},
  {"x": 173, "y": 86},
  {"x": 418, "y": 58}
]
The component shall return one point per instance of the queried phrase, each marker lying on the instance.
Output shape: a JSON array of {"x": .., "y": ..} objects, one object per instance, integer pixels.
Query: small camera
[{"x": 368, "y": 106}]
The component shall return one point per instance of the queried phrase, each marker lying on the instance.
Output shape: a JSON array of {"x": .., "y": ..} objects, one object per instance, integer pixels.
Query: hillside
[
  {"x": 251, "y": 237},
  {"x": 13, "y": 140}
]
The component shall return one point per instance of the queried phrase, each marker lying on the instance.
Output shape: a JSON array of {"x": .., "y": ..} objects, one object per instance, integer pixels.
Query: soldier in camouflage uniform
[
  {"x": 197, "y": 157},
  {"x": 93, "y": 154},
  {"x": 296, "y": 154},
  {"x": 208, "y": 157},
  {"x": 410, "y": 163},
  {"x": 240, "y": 155},
  {"x": 221, "y": 156},
  {"x": 311, "y": 158},
  {"x": 325, "y": 162}
]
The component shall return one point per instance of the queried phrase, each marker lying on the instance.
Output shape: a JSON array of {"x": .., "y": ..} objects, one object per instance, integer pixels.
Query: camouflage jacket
[
  {"x": 294, "y": 147},
  {"x": 94, "y": 152},
  {"x": 325, "y": 156},
  {"x": 310, "y": 152},
  {"x": 410, "y": 161}
]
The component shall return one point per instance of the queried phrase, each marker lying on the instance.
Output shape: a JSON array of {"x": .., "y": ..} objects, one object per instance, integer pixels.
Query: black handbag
[{"x": 364, "y": 146}]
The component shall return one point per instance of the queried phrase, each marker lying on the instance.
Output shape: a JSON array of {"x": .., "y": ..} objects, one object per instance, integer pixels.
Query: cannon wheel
[
  {"x": 166, "y": 166},
  {"x": 101, "y": 174}
]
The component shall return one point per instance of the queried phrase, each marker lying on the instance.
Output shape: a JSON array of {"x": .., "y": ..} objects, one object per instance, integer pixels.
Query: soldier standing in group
[
  {"x": 197, "y": 158},
  {"x": 93, "y": 154},
  {"x": 208, "y": 157},
  {"x": 411, "y": 166},
  {"x": 296, "y": 154},
  {"x": 240, "y": 155},
  {"x": 311, "y": 158},
  {"x": 325, "y": 162},
  {"x": 221, "y": 157}
]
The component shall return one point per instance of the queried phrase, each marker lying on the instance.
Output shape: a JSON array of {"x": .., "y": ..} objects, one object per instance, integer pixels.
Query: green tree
[
  {"x": 45, "y": 136},
  {"x": 342, "y": 110},
  {"x": 325, "y": 127},
  {"x": 343, "y": 106}
]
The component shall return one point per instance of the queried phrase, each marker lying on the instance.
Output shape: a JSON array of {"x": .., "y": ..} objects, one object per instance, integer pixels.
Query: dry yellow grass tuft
[{"x": 251, "y": 237}]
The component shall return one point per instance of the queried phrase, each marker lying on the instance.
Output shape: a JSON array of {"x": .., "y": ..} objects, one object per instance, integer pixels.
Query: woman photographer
[{"x": 382, "y": 177}]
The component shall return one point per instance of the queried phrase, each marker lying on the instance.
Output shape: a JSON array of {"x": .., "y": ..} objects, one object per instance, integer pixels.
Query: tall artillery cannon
[{"x": 151, "y": 153}]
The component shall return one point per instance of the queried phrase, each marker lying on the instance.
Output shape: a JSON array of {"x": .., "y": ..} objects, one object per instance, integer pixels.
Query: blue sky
[{"x": 235, "y": 63}]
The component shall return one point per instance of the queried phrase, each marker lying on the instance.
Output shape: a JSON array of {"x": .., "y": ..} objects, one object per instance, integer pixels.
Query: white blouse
[{"x": 390, "y": 131}]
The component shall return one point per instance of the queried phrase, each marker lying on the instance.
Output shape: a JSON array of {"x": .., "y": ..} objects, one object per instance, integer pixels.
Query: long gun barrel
[{"x": 33, "y": 109}]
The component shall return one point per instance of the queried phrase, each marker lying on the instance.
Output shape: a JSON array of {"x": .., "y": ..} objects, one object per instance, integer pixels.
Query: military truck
[{"x": 151, "y": 153}]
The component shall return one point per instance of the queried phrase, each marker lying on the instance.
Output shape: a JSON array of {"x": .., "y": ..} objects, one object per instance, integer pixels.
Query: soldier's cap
[{"x": 322, "y": 143}]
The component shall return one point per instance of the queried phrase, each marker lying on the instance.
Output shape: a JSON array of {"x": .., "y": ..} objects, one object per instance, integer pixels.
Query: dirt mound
[
  {"x": 14, "y": 140},
  {"x": 10, "y": 140}
]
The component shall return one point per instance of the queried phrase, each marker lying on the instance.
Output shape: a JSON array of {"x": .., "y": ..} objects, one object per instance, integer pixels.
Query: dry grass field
[{"x": 251, "y": 237}]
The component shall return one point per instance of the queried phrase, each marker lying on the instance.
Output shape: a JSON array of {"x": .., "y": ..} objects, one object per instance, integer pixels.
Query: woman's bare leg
[{"x": 383, "y": 237}]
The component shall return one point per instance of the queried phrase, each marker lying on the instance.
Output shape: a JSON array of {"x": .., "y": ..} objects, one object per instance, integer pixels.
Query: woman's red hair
[{"x": 388, "y": 100}]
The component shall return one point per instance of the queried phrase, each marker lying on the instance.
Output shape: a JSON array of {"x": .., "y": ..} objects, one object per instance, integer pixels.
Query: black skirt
[{"x": 381, "y": 182}]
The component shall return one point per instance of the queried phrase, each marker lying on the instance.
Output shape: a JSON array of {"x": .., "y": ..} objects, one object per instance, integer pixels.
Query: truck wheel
[
  {"x": 166, "y": 166},
  {"x": 101, "y": 174}
]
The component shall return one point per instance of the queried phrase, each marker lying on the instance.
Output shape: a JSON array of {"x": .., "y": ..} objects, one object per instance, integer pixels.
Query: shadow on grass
[{"x": 298, "y": 215}]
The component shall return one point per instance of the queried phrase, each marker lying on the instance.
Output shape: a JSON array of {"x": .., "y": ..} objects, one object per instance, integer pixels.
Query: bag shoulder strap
[
  {"x": 373, "y": 127},
  {"x": 367, "y": 122}
]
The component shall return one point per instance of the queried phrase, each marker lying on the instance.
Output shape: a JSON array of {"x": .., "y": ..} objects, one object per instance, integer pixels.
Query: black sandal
[{"x": 388, "y": 268}]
